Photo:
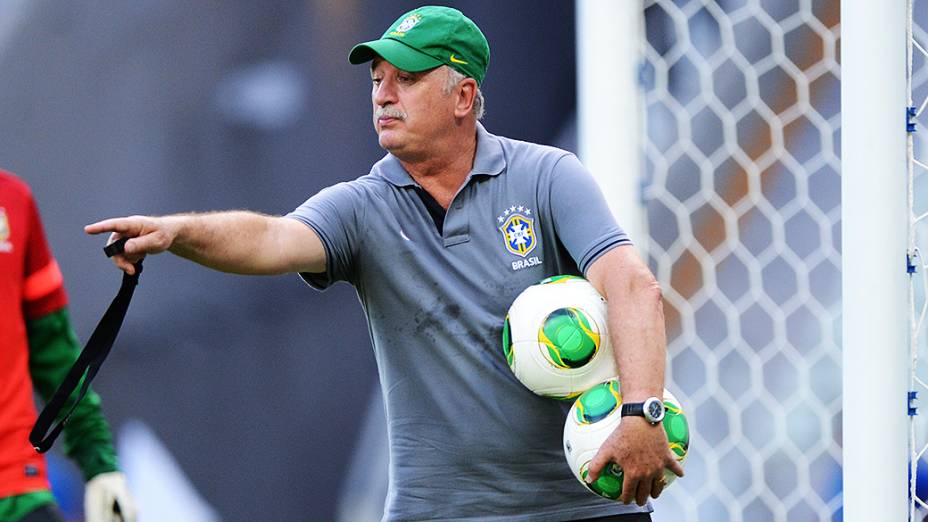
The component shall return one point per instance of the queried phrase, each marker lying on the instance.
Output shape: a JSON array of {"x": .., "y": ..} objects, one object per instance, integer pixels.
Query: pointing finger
[{"x": 125, "y": 226}]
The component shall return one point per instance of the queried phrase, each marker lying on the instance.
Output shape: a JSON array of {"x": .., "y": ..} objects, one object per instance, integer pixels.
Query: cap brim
[{"x": 397, "y": 53}]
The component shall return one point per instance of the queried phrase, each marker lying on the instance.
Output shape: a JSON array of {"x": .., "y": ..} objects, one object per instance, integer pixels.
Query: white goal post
[
  {"x": 875, "y": 281},
  {"x": 608, "y": 105}
]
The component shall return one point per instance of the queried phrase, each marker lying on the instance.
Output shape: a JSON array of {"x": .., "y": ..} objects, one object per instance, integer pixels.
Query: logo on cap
[
  {"x": 457, "y": 60},
  {"x": 406, "y": 25}
]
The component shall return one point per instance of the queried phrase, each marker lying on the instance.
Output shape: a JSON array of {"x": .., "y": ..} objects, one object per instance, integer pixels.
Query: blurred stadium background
[{"x": 245, "y": 399}]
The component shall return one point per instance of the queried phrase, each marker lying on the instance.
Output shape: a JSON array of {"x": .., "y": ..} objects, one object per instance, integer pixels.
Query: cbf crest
[
  {"x": 518, "y": 228},
  {"x": 408, "y": 23}
]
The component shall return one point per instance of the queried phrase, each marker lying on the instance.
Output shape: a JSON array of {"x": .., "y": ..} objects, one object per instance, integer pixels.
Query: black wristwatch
[{"x": 652, "y": 409}]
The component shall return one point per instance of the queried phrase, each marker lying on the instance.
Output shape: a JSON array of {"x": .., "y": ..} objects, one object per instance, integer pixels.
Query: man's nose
[{"x": 385, "y": 93}]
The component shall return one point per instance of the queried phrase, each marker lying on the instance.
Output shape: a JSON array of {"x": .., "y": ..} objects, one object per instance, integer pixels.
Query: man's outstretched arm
[{"x": 239, "y": 242}]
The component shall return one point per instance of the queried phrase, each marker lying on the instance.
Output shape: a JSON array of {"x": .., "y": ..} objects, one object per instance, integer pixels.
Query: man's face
[{"x": 410, "y": 109}]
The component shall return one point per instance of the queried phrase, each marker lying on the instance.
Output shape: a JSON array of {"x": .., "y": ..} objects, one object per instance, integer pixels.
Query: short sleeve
[
  {"x": 582, "y": 219},
  {"x": 43, "y": 288},
  {"x": 334, "y": 214}
]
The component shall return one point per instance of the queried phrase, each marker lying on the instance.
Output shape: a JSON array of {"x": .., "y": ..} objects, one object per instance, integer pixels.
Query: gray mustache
[{"x": 389, "y": 112}]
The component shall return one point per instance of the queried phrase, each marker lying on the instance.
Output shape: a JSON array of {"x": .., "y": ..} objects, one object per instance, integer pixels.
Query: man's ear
[{"x": 465, "y": 94}]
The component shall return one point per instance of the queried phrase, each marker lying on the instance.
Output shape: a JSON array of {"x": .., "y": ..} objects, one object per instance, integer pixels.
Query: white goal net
[{"x": 742, "y": 191}]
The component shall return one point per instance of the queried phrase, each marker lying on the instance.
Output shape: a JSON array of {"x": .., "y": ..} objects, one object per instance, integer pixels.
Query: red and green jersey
[
  {"x": 37, "y": 348},
  {"x": 30, "y": 287}
]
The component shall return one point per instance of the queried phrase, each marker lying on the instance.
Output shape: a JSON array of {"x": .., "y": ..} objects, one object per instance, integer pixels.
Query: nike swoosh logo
[{"x": 455, "y": 60}]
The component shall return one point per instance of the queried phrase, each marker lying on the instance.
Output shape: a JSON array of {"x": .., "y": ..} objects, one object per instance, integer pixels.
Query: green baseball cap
[{"x": 427, "y": 37}]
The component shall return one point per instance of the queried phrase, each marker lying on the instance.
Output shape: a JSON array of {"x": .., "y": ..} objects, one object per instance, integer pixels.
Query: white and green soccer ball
[
  {"x": 595, "y": 415},
  {"x": 555, "y": 337}
]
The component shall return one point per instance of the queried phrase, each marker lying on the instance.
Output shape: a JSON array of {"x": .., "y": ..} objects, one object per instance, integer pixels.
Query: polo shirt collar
[{"x": 489, "y": 160}]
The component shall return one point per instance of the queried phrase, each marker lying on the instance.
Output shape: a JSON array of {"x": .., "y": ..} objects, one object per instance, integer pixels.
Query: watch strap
[{"x": 633, "y": 409}]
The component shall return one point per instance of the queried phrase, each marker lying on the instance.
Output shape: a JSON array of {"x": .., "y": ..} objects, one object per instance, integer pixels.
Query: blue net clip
[
  {"x": 913, "y": 398},
  {"x": 910, "y": 266},
  {"x": 910, "y": 113}
]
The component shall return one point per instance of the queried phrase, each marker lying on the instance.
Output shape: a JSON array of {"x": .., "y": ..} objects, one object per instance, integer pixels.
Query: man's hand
[
  {"x": 150, "y": 235},
  {"x": 642, "y": 451},
  {"x": 107, "y": 499}
]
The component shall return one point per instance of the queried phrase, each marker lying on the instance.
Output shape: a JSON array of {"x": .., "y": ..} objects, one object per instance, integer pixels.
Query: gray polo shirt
[{"x": 467, "y": 440}]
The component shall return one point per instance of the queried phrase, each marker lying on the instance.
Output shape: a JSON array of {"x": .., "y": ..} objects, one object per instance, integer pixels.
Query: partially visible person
[{"x": 37, "y": 348}]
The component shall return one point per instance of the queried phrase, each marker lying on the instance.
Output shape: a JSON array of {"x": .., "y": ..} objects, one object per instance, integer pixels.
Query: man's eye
[{"x": 375, "y": 81}]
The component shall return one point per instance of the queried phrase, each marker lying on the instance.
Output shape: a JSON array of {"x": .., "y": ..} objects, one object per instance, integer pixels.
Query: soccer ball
[
  {"x": 594, "y": 416},
  {"x": 555, "y": 337}
]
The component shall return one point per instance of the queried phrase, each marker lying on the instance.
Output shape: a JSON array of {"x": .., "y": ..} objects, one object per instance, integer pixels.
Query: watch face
[{"x": 655, "y": 410}]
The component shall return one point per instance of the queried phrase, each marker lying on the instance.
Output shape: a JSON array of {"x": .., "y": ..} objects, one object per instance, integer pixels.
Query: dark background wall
[{"x": 256, "y": 385}]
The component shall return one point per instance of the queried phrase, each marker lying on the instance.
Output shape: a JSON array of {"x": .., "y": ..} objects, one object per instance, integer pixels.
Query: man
[
  {"x": 423, "y": 239},
  {"x": 37, "y": 348}
]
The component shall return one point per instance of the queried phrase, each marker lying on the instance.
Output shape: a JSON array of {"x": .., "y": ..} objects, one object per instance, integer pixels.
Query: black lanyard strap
[{"x": 88, "y": 363}]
